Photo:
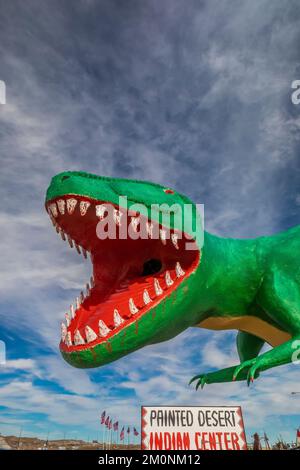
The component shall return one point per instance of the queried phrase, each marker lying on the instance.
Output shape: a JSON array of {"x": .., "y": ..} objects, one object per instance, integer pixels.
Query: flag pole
[{"x": 110, "y": 439}]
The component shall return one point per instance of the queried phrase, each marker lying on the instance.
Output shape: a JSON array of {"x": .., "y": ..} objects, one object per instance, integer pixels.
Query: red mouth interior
[{"x": 130, "y": 276}]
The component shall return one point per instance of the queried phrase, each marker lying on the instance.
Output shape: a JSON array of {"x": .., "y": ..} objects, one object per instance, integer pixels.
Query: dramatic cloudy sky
[{"x": 195, "y": 95}]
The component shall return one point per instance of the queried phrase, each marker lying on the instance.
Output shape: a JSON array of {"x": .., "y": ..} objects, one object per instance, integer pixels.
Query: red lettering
[
  {"x": 173, "y": 440},
  {"x": 179, "y": 441},
  {"x": 197, "y": 437},
  {"x": 212, "y": 441},
  {"x": 219, "y": 436},
  {"x": 226, "y": 442},
  {"x": 203, "y": 443},
  {"x": 235, "y": 441},
  {"x": 158, "y": 442},
  {"x": 151, "y": 440},
  {"x": 167, "y": 441},
  {"x": 186, "y": 441}
]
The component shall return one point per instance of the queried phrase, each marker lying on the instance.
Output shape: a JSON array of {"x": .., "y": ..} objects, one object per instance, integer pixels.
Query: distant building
[{"x": 3, "y": 444}]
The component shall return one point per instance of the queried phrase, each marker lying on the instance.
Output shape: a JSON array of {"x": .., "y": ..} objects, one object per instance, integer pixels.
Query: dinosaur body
[{"x": 145, "y": 291}]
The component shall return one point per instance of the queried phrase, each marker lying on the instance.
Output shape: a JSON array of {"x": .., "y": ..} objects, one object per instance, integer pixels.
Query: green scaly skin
[{"x": 257, "y": 278}]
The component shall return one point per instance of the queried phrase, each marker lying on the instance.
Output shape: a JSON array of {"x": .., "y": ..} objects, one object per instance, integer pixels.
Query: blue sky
[{"x": 194, "y": 95}]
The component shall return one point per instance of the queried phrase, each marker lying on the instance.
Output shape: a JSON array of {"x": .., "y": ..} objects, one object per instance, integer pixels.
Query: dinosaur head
[{"x": 142, "y": 240}]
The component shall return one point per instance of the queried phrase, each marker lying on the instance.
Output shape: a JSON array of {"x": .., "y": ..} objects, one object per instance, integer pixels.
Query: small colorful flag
[
  {"x": 107, "y": 422},
  {"x": 298, "y": 437},
  {"x": 122, "y": 434},
  {"x": 103, "y": 418},
  {"x": 110, "y": 424},
  {"x": 116, "y": 425},
  {"x": 135, "y": 432},
  {"x": 128, "y": 430}
]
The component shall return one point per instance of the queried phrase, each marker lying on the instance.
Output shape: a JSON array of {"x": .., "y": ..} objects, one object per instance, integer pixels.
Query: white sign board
[{"x": 192, "y": 428}]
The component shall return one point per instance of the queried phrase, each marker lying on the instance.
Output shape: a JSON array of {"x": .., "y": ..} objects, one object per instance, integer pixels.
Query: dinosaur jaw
[{"x": 130, "y": 276}]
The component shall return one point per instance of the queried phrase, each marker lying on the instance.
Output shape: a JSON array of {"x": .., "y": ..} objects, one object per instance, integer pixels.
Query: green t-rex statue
[{"x": 161, "y": 278}]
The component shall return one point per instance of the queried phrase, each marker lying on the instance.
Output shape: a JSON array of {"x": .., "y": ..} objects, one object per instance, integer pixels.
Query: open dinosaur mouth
[{"x": 130, "y": 276}]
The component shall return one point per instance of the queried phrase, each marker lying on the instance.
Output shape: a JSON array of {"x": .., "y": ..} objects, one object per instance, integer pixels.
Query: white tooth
[
  {"x": 84, "y": 205},
  {"x": 174, "y": 238},
  {"x": 134, "y": 223},
  {"x": 62, "y": 234},
  {"x": 81, "y": 297},
  {"x": 163, "y": 236},
  {"x": 78, "y": 339},
  {"x": 70, "y": 241},
  {"x": 133, "y": 309},
  {"x": 84, "y": 252},
  {"x": 68, "y": 320},
  {"x": 71, "y": 204},
  {"x": 68, "y": 339},
  {"x": 63, "y": 330},
  {"x": 88, "y": 289},
  {"x": 77, "y": 303},
  {"x": 168, "y": 279},
  {"x": 149, "y": 228},
  {"x": 158, "y": 289},
  {"x": 100, "y": 211},
  {"x": 72, "y": 311},
  {"x": 90, "y": 334},
  {"x": 92, "y": 281},
  {"x": 118, "y": 320},
  {"x": 146, "y": 297},
  {"x": 78, "y": 248},
  {"x": 179, "y": 271},
  {"x": 103, "y": 328},
  {"x": 61, "y": 206},
  {"x": 53, "y": 210},
  {"x": 117, "y": 215}
]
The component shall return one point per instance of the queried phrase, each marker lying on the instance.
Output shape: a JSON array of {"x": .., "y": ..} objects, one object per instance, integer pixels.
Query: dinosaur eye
[{"x": 168, "y": 191}]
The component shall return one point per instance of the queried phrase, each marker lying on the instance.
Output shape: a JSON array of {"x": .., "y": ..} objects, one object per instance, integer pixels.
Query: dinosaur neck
[{"x": 228, "y": 277}]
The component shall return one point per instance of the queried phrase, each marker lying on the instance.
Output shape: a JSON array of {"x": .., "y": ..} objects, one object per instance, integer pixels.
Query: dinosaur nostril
[{"x": 65, "y": 178}]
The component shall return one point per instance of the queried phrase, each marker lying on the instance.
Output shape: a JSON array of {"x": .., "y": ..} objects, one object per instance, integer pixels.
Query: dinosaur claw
[
  {"x": 250, "y": 378},
  {"x": 236, "y": 372},
  {"x": 193, "y": 379},
  {"x": 198, "y": 384},
  {"x": 253, "y": 373},
  {"x": 201, "y": 381}
]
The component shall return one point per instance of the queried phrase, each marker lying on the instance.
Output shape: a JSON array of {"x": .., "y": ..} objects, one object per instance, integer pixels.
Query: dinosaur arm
[
  {"x": 283, "y": 354},
  {"x": 219, "y": 376},
  {"x": 248, "y": 347}
]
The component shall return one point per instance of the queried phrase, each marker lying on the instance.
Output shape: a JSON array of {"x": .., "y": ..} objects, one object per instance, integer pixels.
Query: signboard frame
[{"x": 237, "y": 408}]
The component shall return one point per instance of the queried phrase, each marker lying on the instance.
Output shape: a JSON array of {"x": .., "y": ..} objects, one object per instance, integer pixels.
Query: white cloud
[{"x": 28, "y": 365}]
